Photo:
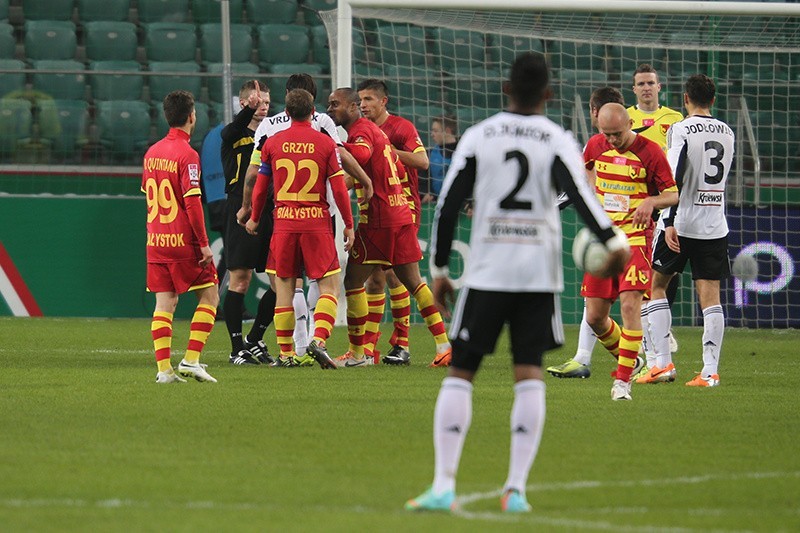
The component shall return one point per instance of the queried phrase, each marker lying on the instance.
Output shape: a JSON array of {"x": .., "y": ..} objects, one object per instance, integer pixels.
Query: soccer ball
[
  {"x": 745, "y": 267},
  {"x": 589, "y": 254}
]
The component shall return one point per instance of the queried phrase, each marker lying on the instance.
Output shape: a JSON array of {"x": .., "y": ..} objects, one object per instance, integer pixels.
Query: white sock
[
  {"x": 451, "y": 420},
  {"x": 313, "y": 298},
  {"x": 713, "y": 331},
  {"x": 586, "y": 341},
  {"x": 660, "y": 318},
  {"x": 647, "y": 338},
  {"x": 527, "y": 423},
  {"x": 301, "y": 322}
]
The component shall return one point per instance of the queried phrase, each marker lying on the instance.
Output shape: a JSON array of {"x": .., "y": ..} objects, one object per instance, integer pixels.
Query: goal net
[{"x": 451, "y": 60}]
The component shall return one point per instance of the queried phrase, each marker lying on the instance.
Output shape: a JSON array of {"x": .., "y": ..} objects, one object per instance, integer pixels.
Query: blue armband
[{"x": 265, "y": 169}]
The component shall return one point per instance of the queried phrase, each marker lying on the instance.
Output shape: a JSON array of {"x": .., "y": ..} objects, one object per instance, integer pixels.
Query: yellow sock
[
  {"x": 376, "y": 303},
  {"x": 324, "y": 317},
  {"x": 161, "y": 329},
  {"x": 202, "y": 324},
  {"x": 401, "y": 313},
  {"x": 610, "y": 339},
  {"x": 428, "y": 310},
  {"x": 284, "y": 328},
  {"x": 357, "y": 310}
]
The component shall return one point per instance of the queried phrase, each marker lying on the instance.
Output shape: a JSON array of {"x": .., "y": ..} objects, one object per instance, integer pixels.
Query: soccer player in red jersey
[
  {"x": 404, "y": 137},
  {"x": 179, "y": 258},
  {"x": 632, "y": 178},
  {"x": 386, "y": 235},
  {"x": 300, "y": 161}
]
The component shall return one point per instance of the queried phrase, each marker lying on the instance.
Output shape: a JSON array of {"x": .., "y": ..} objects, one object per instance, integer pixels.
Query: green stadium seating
[
  {"x": 205, "y": 11},
  {"x": 420, "y": 116},
  {"x": 320, "y": 49},
  {"x": 282, "y": 43},
  {"x": 11, "y": 83},
  {"x": 47, "y": 10},
  {"x": 476, "y": 87},
  {"x": 468, "y": 116},
  {"x": 110, "y": 40},
  {"x": 170, "y": 41},
  {"x": 240, "y": 73},
  {"x": 50, "y": 39},
  {"x": 402, "y": 45},
  {"x": 116, "y": 86},
  {"x": 162, "y": 10},
  {"x": 685, "y": 61},
  {"x": 311, "y": 7},
  {"x": 211, "y": 43},
  {"x": 4, "y": 9},
  {"x": 60, "y": 86},
  {"x": 124, "y": 128},
  {"x": 64, "y": 123},
  {"x": 408, "y": 85},
  {"x": 8, "y": 44},
  {"x": 572, "y": 55},
  {"x": 279, "y": 73},
  {"x": 109, "y": 10},
  {"x": 504, "y": 49},
  {"x": 15, "y": 125},
  {"x": 560, "y": 114},
  {"x": 458, "y": 48},
  {"x": 625, "y": 59},
  {"x": 201, "y": 127},
  {"x": 261, "y": 12},
  {"x": 161, "y": 86}
]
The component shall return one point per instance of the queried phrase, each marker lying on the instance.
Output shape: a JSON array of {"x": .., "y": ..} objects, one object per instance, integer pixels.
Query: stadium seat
[
  {"x": 162, "y": 85},
  {"x": 205, "y": 11},
  {"x": 420, "y": 116},
  {"x": 162, "y": 10},
  {"x": 278, "y": 74},
  {"x": 455, "y": 49},
  {"x": 168, "y": 41},
  {"x": 200, "y": 128},
  {"x": 116, "y": 86},
  {"x": 47, "y": 10},
  {"x": 572, "y": 55},
  {"x": 211, "y": 43},
  {"x": 311, "y": 7},
  {"x": 15, "y": 125},
  {"x": 60, "y": 86},
  {"x": 110, "y": 40},
  {"x": 320, "y": 49},
  {"x": 402, "y": 45},
  {"x": 685, "y": 61},
  {"x": 261, "y": 12},
  {"x": 64, "y": 123},
  {"x": 625, "y": 59},
  {"x": 560, "y": 114},
  {"x": 109, "y": 10},
  {"x": 240, "y": 72},
  {"x": 8, "y": 44},
  {"x": 476, "y": 87},
  {"x": 50, "y": 39},
  {"x": 4, "y": 10},
  {"x": 409, "y": 85},
  {"x": 124, "y": 128},
  {"x": 11, "y": 82},
  {"x": 468, "y": 116},
  {"x": 282, "y": 43},
  {"x": 504, "y": 49}
]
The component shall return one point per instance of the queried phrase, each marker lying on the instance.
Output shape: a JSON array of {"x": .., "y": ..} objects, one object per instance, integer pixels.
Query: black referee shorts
[
  {"x": 534, "y": 321},
  {"x": 242, "y": 250}
]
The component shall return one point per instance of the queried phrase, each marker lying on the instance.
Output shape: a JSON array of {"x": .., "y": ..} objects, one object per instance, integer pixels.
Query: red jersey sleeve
[
  {"x": 592, "y": 150},
  {"x": 190, "y": 174},
  {"x": 409, "y": 137},
  {"x": 658, "y": 169}
]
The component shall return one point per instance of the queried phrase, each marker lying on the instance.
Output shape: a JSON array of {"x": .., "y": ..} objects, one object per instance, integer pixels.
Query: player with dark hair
[
  {"x": 302, "y": 162},
  {"x": 374, "y": 95},
  {"x": 700, "y": 151},
  {"x": 245, "y": 252},
  {"x": 444, "y": 133},
  {"x": 179, "y": 258},
  {"x": 513, "y": 163},
  {"x": 386, "y": 235}
]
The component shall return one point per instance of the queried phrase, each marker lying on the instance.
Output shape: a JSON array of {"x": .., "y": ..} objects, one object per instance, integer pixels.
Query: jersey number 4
[{"x": 511, "y": 201}]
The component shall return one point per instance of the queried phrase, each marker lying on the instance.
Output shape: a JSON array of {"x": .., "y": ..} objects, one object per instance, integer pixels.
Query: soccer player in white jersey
[
  {"x": 513, "y": 164},
  {"x": 304, "y": 309},
  {"x": 700, "y": 152}
]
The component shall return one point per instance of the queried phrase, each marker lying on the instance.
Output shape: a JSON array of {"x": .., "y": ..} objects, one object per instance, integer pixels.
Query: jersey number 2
[
  {"x": 291, "y": 172},
  {"x": 510, "y": 201}
]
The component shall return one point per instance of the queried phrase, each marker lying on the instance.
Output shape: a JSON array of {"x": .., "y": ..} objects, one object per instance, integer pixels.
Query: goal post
[{"x": 449, "y": 57}]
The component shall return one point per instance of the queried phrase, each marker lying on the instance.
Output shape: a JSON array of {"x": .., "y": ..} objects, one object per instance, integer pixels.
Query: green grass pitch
[{"x": 88, "y": 441}]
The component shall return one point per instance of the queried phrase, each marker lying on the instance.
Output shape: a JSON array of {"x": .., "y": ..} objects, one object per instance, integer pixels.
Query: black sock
[
  {"x": 264, "y": 317},
  {"x": 672, "y": 289},
  {"x": 233, "y": 319}
]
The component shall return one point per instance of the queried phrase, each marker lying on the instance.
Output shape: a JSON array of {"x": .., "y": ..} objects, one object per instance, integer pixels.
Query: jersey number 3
[{"x": 511, "y": 201}]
